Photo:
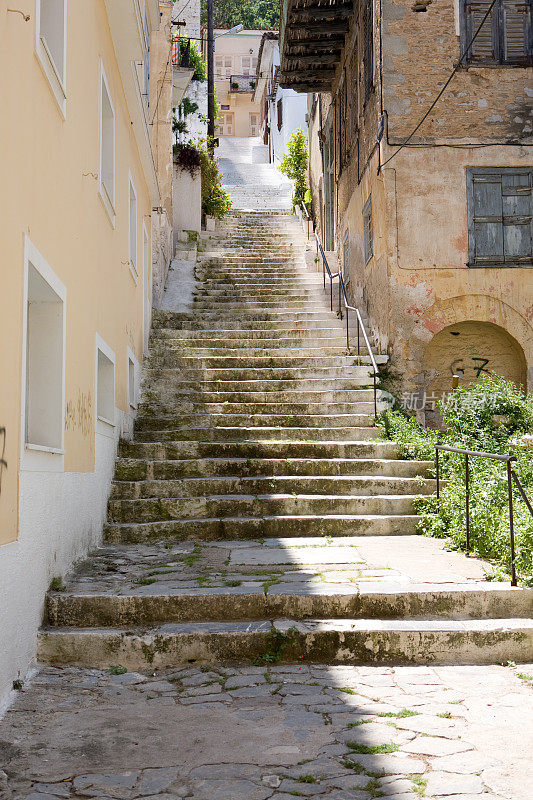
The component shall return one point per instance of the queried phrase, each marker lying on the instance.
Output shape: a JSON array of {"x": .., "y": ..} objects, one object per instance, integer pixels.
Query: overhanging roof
[{"x": 311, "y": 40}]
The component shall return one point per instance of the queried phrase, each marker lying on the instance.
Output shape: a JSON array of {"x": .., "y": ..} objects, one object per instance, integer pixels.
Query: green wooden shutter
[
  {"x": 486, "y": 219},
  {"x": 516, "y": 32},
  {"x": 517, "y": 213},
  {"x": 484, "y": 47}
]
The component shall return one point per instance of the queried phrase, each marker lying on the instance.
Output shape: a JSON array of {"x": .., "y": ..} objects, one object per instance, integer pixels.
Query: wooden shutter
[
  {"x": 353, "y": 97},
  {"x": 484, "y": 47},
  {"x": 280, "y": 114},
  {"x": 485, "y": 219},
  {"x": 517, "y": 217},
  {"x": 516, "y": 32}
]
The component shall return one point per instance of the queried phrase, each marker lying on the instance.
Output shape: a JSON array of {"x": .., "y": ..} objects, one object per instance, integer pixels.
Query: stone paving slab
[
  {"x": 271, "y": 733},
  {"x": 357, "y": 561}
]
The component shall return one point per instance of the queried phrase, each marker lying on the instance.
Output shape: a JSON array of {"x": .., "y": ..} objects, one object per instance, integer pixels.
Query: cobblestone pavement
[{"x": 343, "y": 733}]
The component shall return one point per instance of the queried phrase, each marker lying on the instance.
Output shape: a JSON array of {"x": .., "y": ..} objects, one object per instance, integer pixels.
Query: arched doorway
[{"x": 470, "y": 350}]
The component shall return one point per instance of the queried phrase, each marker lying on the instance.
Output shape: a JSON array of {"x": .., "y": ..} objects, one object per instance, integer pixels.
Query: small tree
[{"x": 294, "y": 165}]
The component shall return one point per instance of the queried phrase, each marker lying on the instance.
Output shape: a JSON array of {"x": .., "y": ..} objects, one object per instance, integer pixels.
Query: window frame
[
  {"x": 56, "y": 81},
  {"x": 133, "y": 401},
  {"x": 133, "y": 233},
  {"x": 103, "y": 424},
  {"x": 471, "y": 172},
  {"x": 35, "y": 456},
  {"x": 498, "y": 38},
  {"x": 108, "y": 201}
]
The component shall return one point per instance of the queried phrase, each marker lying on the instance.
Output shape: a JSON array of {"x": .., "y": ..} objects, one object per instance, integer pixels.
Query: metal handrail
[
  {"x": 511, "y": 476},
  {"x": 348, "y": 308}
]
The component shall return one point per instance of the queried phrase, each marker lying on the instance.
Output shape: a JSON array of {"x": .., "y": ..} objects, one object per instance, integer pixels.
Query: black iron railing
[
  {"x": 347, "y": 307},
  {"x": 511, "y": 476}
]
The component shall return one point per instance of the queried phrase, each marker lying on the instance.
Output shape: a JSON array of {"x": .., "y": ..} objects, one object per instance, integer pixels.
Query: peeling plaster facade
[{"x": 417, "y": 283}]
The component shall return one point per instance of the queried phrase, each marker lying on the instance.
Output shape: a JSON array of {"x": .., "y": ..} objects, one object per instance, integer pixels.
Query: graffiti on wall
[
  {"x": 79, "y": 413},
  {"x": 458, "y": 367},
  {"x": 3, "y": 462}
]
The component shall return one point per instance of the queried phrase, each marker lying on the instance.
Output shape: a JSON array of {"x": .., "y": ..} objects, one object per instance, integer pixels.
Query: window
[
  {"x": 342, "y": 127},
  {"x": 346, "y": 258},
  {"x": 248, "y": 65},
  {"x": 280, "y": 114},
  {"x": 500, "y": 217},
  {"x": 368, "y": 245},
  {"x": 132, "y": 380},
  {"x": 105, "y": 382},
  {"x": 51, "y": 45},
  {"x": 223, "y": 66},
  {"x": 133, "y": 228},
  {"x": 368, "y": 47},
  {"x": 44, "y": 356},
  {"x": 254, "y": 124},
  {"x": 506, "y": 35},
  {"x": 107, "y": 148}
]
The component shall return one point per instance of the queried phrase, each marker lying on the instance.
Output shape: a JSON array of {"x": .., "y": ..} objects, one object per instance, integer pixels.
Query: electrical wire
[{"x": 434, "y": 103}]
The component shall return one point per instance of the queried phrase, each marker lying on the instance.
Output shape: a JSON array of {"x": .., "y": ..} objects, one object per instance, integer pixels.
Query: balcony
[{"x": 241, "y": 83}]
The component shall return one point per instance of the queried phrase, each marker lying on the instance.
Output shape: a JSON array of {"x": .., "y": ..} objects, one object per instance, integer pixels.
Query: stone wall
[{"x": 417, "y": 283}]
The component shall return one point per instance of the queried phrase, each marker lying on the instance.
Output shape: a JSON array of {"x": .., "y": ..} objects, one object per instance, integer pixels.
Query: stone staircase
[{"x": 256, "y": 516}]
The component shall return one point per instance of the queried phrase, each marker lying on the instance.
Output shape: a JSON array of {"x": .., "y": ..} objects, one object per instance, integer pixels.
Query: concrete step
[
  {"x": 302, "y": 579},
  {"x": 335, "y": 365},
  {"x": 170, "y": 451},
  {"x": 280, "y": 526},
  {"x": 284, "y": 401},
  {"x": 252, "y": 420},
  {"x": 263, "y": 485},
  {"x": 316, "y": 641},
  {"x": 142, "y": 469},
  {"x": 165, "y": 405},
  {"x": 213, "y": 374},
  {"x": 265, "y": 505},
  {"x": 257, "y": 433}
]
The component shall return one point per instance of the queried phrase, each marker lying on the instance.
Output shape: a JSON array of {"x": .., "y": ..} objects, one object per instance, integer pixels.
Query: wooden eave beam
[
  {"x": 318, "y": 27},
  {"x": 314, "y": 58},
  {"x": 321, "y": 13},
  {"x": 307, "y": 75}
]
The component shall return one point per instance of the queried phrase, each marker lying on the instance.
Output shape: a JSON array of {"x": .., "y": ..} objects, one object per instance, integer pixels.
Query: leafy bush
[
  {"x": 294, "y": 165},
  {"x": 216, "y": 202},
  {"x": 491, "y": 416}
]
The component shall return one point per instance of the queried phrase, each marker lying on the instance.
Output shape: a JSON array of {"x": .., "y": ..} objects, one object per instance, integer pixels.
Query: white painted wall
[
  {"x": 187, "y": 202},
  {"x": 294, "y": 115},
  {"x": 61, "y": 518}
]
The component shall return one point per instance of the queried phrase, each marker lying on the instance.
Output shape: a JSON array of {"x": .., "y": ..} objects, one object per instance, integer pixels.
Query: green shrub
[
  {"x": 492, "y": 416},
  {"x": 294, "y": 165},
  {"x": 216, "y": 202}
]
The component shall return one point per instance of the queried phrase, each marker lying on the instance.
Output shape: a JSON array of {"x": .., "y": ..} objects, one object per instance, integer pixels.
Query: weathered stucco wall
[{"x": 417, "y": 283}]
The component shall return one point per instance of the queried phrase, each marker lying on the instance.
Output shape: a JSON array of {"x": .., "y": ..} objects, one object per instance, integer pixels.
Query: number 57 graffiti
[{"x": 3, "y": 462}]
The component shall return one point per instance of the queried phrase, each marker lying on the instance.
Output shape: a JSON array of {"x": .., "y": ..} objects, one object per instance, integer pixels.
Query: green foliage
[
  {"x": 491, "y": 416},
  {"x": 414, "y": 441},
  {"x": 294, "y": 165},
  {"x": 117, "y": 669},
  {"x": 262, "y": 14},
  {"x": 196, "y": 59},
  {"x": 216, "y": 202}
]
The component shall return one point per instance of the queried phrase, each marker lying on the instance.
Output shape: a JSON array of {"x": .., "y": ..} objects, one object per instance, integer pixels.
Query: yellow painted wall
[
  {"x": 49, "y": 177},
  {"x": 245, "y": 43}
]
